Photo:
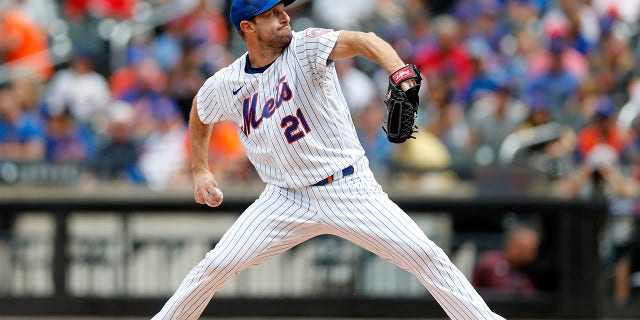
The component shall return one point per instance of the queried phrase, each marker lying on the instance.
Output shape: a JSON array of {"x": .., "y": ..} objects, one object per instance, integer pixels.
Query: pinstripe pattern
[
  {"x": 302, "y": 82},
  {"x": 359, "y": 211},
  {"x": 277, "y": 221},
  {"x": 332, "y": 143},
  {"x": 366, "y": 216}
]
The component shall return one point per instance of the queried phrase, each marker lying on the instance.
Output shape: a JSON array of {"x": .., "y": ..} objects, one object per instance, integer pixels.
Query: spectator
[
  {"x": 486, "y": 71},
  {"x": 118, "y": 9},
  {"x": 517, "y": 60},
  {"x": 520, "y": 14},
  {"x": 495, "y": 116},
  {"x": 487, "y": 25},
  {"x": 602, "y": 130},
  {"x": 557, "y": 84},
  {"x": 227, "y": 158},
  {"x": 204, "y": 38},
  {"x": 502, "y": 270},
  {"x": 160, "y": 128},
  {"x": 599, "y": 175},
  {"x": 166, "y": 47},
  {"x": 539, "y": 113},
  {"x": 613, "y": 63},
  {"x": 117, "y": 158},
  {"x": 67, "y": 140},
  {"x": 559, "y": 51},
  {"x": 21, "y": 134},
  {"x": 206, "y": 23},
  {"x": 449, "y": 58},
  {"x": 149, "y": 100},
  {"x": 445, "y": 119},
  {"x": 578, "y": 23},
  {"x": 631, "y": 108},
  {"x": 79, "y": 88},
  {"x": 188, "y": 74},
  {"x": 349, "y": 16},
  {"x": 123, "y": 78},
  {"x": 552, "y": 151},
  {"x": 579, "y": 113},
  {"x": 631, "y": 152},
  {"x": 599, "y": 148},
  {"x": 373, "y": 139},
  {"x": 419, "y": 30},
  {"x": 163, "y": 157},
  {"x": 23, "y": 45},
  {"x": 28, "y": 90},
  {"x": 626, "y": 11},
  {"x": 358, "y": 88}
]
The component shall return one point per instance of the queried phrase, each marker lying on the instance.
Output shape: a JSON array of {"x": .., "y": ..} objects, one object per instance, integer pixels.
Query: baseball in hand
[{"x": 218, "y": 192}]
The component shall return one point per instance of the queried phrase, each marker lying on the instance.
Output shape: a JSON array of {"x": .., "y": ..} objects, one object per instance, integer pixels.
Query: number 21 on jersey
[{"x": 291, "y": 125}]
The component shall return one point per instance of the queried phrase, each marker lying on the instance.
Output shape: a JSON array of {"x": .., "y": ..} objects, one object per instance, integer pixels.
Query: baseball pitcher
[{"x": 295, "y": 126}]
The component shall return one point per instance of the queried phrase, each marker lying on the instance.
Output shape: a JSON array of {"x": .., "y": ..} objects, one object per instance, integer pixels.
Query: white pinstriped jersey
[
  {"x": 292, "y": 117},
  {"x": 296, "y": 130}
]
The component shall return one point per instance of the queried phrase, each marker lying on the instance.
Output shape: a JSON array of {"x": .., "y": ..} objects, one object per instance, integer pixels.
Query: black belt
[{"x": 345, "y": 172}]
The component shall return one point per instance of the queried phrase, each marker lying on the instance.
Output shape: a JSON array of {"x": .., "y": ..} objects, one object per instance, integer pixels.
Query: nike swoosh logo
[{"x": 237, "y": 90}]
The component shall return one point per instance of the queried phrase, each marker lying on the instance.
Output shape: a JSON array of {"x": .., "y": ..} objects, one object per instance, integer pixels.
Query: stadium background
[{"x": 528, "y": 119}]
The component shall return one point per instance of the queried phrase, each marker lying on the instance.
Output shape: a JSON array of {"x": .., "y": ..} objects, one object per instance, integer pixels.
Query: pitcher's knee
[
  {"x": 426, "y": 253},
  {"x": 220, "y": 264}
]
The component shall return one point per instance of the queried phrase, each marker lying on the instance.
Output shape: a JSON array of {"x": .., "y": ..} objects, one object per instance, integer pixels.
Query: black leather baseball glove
[{"x": 402, "y": 107}]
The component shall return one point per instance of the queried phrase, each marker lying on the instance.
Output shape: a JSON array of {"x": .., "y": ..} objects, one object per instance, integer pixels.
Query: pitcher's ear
[{"x": 247, "y": 26}]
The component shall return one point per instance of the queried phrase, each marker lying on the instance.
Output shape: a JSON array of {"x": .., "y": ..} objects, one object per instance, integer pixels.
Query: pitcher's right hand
[{"x": 205, "y": 189}]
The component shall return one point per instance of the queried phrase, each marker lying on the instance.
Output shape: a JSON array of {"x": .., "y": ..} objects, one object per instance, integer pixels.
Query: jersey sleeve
[
  {"x": 210, "y": 110},
  {"x": 313, "y": 47}
]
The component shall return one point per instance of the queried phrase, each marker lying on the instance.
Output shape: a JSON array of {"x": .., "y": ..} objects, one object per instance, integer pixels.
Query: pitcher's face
[{"x": 273, "y": 29}]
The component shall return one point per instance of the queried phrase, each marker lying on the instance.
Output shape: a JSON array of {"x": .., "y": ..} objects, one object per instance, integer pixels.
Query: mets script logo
[
  {"x": 316, "y": 32},
  {"x": 253, "y": 118},
  {"x": 295, "y": 126}
]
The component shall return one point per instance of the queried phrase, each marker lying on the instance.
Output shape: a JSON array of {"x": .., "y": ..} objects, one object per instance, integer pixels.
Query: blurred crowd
[{"x": 547, "y": 85}]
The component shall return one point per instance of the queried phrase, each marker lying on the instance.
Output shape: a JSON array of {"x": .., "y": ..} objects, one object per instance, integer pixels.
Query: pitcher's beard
[{"x": 276, "y": 41}]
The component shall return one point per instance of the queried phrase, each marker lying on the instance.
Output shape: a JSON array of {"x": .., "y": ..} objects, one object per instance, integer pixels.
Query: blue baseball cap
[
  {"x": 604, "y": 107},
  {"x": 247, "y": 9},
  {"x": 556, "y": 45}
]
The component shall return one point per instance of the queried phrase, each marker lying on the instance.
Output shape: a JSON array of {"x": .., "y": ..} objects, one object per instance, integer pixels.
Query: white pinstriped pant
[{"x": 354, "y": 208}]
